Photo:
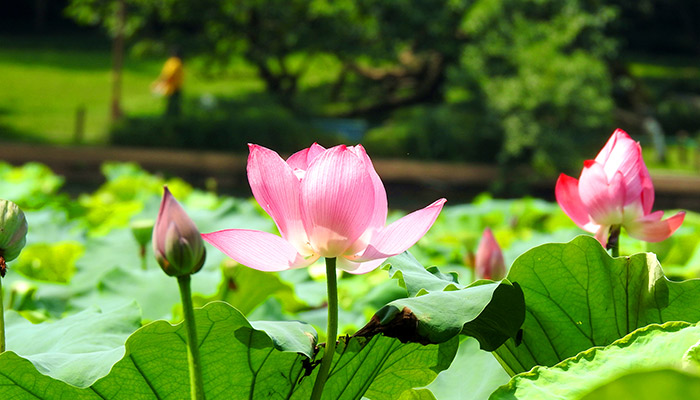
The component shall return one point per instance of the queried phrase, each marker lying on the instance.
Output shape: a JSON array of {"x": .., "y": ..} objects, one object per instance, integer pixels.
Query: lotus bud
[
  {"x": 142, "y": 230},
  {"x": 13, "y": 233},
  {"x": 489, "y": 262},
  {"x": 177, "y": 244}
]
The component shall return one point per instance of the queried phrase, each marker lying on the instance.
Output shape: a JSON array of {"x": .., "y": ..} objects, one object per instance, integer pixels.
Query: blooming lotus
[
  {"x": 177, "y": 244},
  {"x": 488, "y": 263},
  {"x": 326, "y": 203},
  {"x": 615, "y": 190}
]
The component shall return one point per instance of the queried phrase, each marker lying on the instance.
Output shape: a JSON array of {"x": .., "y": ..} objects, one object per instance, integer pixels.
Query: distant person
[{"x": 169, "y": 83}]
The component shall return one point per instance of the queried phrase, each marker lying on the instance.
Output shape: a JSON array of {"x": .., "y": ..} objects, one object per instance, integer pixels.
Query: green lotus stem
[
  {"x": 331, "y": 332},
  {"x": 142, "y": 253},
  {"x": 193, "y": 359},
  {"x": 2, "y": 311},
  {"x": 614, "y": 240}
]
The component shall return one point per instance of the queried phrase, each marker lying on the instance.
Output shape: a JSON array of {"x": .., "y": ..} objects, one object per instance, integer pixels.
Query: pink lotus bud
[
  {"x": 615, "y": 190},
  {"x": 177, "y": 244},
  {"x": 489, "y": 262},
  {"x": 326, "y": 203}
]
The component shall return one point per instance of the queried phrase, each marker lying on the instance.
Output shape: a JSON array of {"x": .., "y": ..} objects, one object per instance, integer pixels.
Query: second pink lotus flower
[
  {"x": 326, "y": 203},
  {"x": 615, "y": 189}
]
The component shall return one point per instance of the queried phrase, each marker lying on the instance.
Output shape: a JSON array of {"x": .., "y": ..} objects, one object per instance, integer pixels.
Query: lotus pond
[{"x": 89, "y": 313}]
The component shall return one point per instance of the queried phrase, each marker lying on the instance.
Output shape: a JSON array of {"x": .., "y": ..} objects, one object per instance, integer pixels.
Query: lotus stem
[
  {"x": 614, "y": 241},
  {"x": 2, "y": 308},
  {"x": 331, "y": 331},
  {"x": 193, "y": 359},
  {"x": 142, "y": 253}
]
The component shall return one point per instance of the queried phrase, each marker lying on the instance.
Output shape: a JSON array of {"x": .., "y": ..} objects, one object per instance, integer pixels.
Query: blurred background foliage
[{"x": 536, "y": 82}]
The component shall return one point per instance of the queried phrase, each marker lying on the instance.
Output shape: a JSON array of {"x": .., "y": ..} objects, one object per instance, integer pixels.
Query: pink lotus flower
[
  {"x": 615, "y": 190},
  {"x": 488, "y": 263},
  {"x": 326, "y": 203}
]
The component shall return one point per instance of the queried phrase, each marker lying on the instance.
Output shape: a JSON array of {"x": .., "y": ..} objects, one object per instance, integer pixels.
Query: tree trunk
[{"x": 118, "y": 61}]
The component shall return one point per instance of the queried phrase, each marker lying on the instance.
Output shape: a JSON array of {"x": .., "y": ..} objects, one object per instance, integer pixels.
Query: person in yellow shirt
[{"x": 169, "y": 83}]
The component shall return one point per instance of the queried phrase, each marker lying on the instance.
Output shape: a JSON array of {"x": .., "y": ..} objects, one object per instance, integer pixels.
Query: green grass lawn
[{"x": 44, "y": 81}]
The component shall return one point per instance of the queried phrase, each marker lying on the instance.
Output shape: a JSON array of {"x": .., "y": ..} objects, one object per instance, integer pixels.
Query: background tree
[
  {"x": 120, "y": 24},
  {"x": 531, "y": 86},
  {"x": 516, "y": 81}
]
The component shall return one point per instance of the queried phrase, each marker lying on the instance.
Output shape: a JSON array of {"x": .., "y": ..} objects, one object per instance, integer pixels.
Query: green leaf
[
  {"x": 380, "y": 368},
  {"x": 234, "y": 357},
  {"x": 20, "y": 380},
  {"x": 239, "y": 361},
  {"x": 53, "y": 262},
  {"x": 667, "y": 384},
  {"x": 417, "y": 279},
  {"x": 279, "y": 332},
  {"x": 691, "y": 357},
  {"x": 490, "y": 312},
  {"x": 31, "y": 186},
  {"x": 654, "y": 346},
  {"x": 456, "y": 383},
  {"x": 404, "y": 366},
  {"x": 110, "y": 273},
  {"x": 417, "y": 394},
  {"x": 578, "y": 297},
  {"x": 78, "y": 349}
]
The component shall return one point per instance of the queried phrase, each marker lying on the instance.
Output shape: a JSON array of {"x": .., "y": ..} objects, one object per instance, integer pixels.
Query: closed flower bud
[
  {"x": 177, "y": 244},
  {"x": 489, "y": 262},
  {"x": 13, "y": 232},
  {"x": 142, "y": 230}
]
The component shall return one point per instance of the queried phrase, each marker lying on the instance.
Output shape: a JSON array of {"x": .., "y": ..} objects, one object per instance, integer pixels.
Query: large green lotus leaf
[
  {"x": 115, "y": 251},
  {"x": 380, "y": 368},
  {"x": 239, "y": 361},
  {"x": 55, "y": 225},
  {"x": 650, "y": 347},
  {"x": 578, "y": 297},
  {"x": 154, "y": 291},
  {"x": 110, "y": 273},
  {"x": 236, "y": 359},
  {"x": 490, "y": 312},
  {"x": 456, "y": 384},
  {"x": 667, "y": 384},
  {"x": 19, "y": 380},
  {"x": 78, "y": 349}
]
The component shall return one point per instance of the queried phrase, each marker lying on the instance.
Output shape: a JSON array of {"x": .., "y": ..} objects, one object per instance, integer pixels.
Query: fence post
[{"x": 79, "y": 132}]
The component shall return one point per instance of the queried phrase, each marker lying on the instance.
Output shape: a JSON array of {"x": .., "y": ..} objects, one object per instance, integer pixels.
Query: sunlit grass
[{"x": 44, "y": 86}]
